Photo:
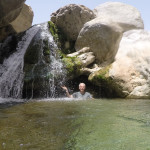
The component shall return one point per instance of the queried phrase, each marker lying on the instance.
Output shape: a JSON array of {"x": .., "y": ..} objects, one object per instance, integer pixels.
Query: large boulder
[
  {"x": 129, "y": 75},
  {"x": 19, "y": 22},
  {"x": 103, "y": 39},
  {"x": 71, "y": 18},
  {"x": 24, "y": 19},
  {"x": 126, "y": 16},
  {"x": 9, "y": 10}
]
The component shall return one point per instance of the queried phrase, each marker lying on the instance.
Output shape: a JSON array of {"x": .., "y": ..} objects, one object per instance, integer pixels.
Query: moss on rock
[
  {"x": 108, "y": 85},
  {"x": 102, "y": 74},
  {"x": 73, "y": 66},
  {"x": 46, "y": 49},
  {"x": 32, "y": 54},
  {"x": 66, "y": 45}
]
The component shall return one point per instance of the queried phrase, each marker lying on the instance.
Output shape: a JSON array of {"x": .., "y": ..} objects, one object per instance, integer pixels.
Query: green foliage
[
  {"x": 102, "y": 77},
  {"x": 73, "y": 66},
  {"x": 66, "y": 45},
  {"x": 46, "y": 49},
  {"x": 103, "y": 74},
  {"x": 53, "y": 30}
]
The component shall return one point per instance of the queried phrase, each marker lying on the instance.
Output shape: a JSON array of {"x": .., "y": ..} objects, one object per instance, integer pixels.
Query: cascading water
[
  {"x": 57, "y": 72},
  {"x": 48, "y": 75},
  {"x": 45, "y": 71},
  {"x": 11, "y": 71}
]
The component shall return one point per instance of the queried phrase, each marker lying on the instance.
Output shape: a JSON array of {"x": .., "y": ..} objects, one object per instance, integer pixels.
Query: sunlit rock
[
  {"x": 132, "y": 63},
  {"x": 102, "y": 39},
  {"x": 71, "y": 18},
  {"x": 126, "y": 16},
  {"x": 129, "y": 75}
]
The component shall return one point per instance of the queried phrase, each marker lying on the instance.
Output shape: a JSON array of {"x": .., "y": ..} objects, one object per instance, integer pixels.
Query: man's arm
[{"x": 67, "y": 92}]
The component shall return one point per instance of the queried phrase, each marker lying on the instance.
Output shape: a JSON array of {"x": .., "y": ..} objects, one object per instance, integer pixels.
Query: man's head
[{"x": 82, "y": 87}]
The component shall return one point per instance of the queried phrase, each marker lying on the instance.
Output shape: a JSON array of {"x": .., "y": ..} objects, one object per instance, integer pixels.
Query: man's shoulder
[
  {"x": 87, "y": 93},
  {"x": 76, "y": 93}
]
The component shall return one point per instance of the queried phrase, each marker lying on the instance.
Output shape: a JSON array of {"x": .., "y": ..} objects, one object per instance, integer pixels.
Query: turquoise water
[{"x": 76, "y": 125}]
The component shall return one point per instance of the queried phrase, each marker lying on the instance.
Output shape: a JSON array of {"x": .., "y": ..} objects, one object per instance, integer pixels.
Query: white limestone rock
[
  {"x": 131, "y": 68},
  {"x": 126, "y": 16},
  {"x": 103, "y": 40}
]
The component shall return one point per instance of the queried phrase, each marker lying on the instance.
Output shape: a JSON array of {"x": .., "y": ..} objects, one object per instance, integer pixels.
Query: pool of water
[{"x": 100, "y": 124}]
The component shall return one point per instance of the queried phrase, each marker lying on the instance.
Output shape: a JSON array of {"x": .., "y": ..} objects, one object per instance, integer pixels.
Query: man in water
[{"x": 81, "y": 94}]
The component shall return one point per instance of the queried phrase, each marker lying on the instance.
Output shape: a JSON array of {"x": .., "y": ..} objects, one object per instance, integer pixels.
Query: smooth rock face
[
  {"x": 131, "y": 69},
  {"x": 102, "y": 39},
  {"x": 126, "y": 16},
  {"x": 24, "y": 20},
  {"x": 71, "y": 18},
  {"x": 10, "y": 9}
]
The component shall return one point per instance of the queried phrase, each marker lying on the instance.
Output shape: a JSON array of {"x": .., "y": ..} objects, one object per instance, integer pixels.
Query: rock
[
  {"x": 129, "y": 75},
  {"x": 84, "y": 55},
  {"x": 91, "y": 70},
  {"x": 108, "y": 85},
  {"x": 39, "y": 65},
  {"x": 102, "y": 39},
  {"x": 126, "y": 16},
  {"x": 5, "y": 32},
  {"x": 71, "y": 18},
  {"x": 22, "y": 21},
  {"x": 86, "y": 58},
  {"x": 10, "y": 10},
  {"x": 83, "y": 50},
  {"x": 132, "y": 64}
]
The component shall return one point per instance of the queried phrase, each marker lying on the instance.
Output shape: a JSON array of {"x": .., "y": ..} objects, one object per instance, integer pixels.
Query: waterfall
[
  {"x": 12, "y": 75},
  {"x": 52, "y": 74},
  {"x": 11, "y": 71}
]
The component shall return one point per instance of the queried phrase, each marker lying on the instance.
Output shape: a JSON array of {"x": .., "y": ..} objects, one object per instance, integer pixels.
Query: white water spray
[{"x": 11, "y": 71}]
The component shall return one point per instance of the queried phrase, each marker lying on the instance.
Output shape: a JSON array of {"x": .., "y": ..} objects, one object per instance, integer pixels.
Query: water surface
[{"x": 76, "y": 125}]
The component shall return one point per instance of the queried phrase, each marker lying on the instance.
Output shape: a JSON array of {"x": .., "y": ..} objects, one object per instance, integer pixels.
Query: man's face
[{"x": 82, "y": 87}]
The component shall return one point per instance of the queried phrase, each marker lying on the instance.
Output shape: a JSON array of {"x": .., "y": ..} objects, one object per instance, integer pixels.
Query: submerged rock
[
  {"x": 71, "y": 18},
  {"x": 125, "y": 16}
]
